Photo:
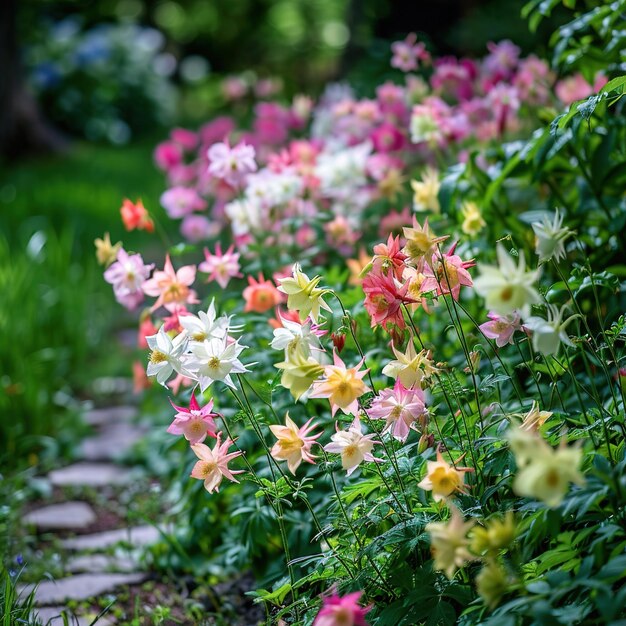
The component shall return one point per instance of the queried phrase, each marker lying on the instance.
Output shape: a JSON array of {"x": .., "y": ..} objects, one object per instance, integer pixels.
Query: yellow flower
[
  {"x": 535, "y": 419},
  {"x": 492, "y": 583},
  {"x": 473, "y": 221},
  {"x": 425, "y": 192},
  {"x": 391, "y": 184},
  {"x": 444, "y": 479},
  {"x": 293, "y": 444},
  {"x": 410, "y": 367},
  {"x": 496, "y": 535},
  {"x": 449, "y": 542},
  {"x": 421, "y": 242},
  {"x": 303, "y": 294},
  {"x": 106, "y": 252},
  {"x": 299, "y": 372}
]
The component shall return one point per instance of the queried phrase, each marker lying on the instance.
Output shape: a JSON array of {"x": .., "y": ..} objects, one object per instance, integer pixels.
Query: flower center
[
  {"x": 156, "y": 356},
  {"x": 214, "y": 362}
]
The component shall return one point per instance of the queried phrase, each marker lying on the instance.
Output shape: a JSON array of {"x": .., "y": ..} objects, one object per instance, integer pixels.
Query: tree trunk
[{"x": 23, "y": 130}]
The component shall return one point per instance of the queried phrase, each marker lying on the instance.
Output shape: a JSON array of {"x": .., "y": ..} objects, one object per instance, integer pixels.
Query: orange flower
[
  {"x": 260, "y": 295},
  {"x": 136, "y": 216}
]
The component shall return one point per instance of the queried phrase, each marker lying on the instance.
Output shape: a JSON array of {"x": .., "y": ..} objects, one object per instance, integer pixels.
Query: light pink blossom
[
  {"x": 213, "y": 464},
  {"x": 342, "y": 611},
  {"x": 171, "y": 287},
  {"x": 195, "y": 423},
  {"x": 501, "y": 327},
  {"x": 231, "y": 164},
  {"x": 221, "y": 266}
]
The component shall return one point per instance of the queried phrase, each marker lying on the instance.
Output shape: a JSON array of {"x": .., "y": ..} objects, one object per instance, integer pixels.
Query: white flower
[
  {"x": 353, "y": 445},
  {"x": 205, "y": 325},
  {"x": 293, "y": 336},
  {"x": 508, "y": 287},
  {"x": 550, "y": 238},
  {"x": 216, "y": 359},
  {"x": 166, "y": 355},
  {"x": 549, "y": 334}
]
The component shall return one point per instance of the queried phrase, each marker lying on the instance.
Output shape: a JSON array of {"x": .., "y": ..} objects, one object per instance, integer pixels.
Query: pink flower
[
  {"x": 127, "y": 275},
  {"x": 135, "y": 215},
  {"x": 213, "y": 464},
  {"x": 384, "y": 297},
  {"x": 221, "y": 266},
  {"x": 195, "y": 423},
  {"x": 342, "y": 611},
  {"x": 394, "y": 222},
  {"x": 401, "y": 407},
  {"x": 387, "y": 138},
  {"x": 146, "y": 329},
  {"x": 575, "y": 87},
  {"x": 181, "y": 201},
  {"x": 231, "y": 164},
  {"x": 342, "y": 386},
  {"x": 171, "y": 287},
  {"x": 167, "y": 155},
  {"x": 353, "y": 445},
  {"x": 293, "y": 444},
  {"x": 446, "y": 273},
  {"x": 195, "y": 228},
  {"x": 185, "y": 138},
  {"x": 216, "y": 129},
  {"x": 407, "y": 53},
  {"x": 261, "y": 295},
  {"x": 501, "y": 60},
  {"x": 501, "y": 327},
  {"x": 389, "y": 257}
]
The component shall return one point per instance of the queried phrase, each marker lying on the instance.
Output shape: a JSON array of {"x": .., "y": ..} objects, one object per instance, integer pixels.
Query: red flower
[
  {"x": 136, "y": 216},
  {"x": 384, "y": 296}
]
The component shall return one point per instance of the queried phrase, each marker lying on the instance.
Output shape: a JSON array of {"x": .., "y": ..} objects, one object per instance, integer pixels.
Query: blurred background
[{"x": 87, "y": 89}]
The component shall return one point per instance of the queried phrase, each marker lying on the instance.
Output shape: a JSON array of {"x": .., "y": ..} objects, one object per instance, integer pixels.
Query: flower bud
[{"x": 339, "y": 341}]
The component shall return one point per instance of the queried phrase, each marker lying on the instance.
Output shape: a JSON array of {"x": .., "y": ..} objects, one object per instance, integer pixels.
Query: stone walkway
[{"x": 91, "y": 568}]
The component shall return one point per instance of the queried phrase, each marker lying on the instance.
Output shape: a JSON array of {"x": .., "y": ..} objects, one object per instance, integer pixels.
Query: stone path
[{"x": 91, "y": 570}]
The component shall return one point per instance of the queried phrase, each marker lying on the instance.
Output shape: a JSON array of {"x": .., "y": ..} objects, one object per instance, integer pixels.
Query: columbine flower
[
  {"x": 449, "y": 542},
  {"x": 221, "y": 266},
  {"x": 388, "y": 257},
  {"x": 535, "y": 419},
  {"x": 171, "y": 287},
  {"x": 353, "y": 445},
  {"x": 292, "y": 336},
  {"x": 205, "y": 325},
  {"x": 181, "y": 201},
  {"x": 421, "y": 243},
  {"x": 106, "y": 252},
  {"x": 508, "y": 287},
  {"x": 165, "y": 355},
  {"x": 544, "y": 473},
  {"x": 136, "y": 216},
  {"x": 473, "y": 221},
  {"x": 549, "y": 334},
  {"x": 260, "y": 295},
  {"x": 384, "y": 297},
  {"x": 358, "y": 266},
  {"x": 446, "y": 273},
  {"x": 501, "y": 327},
  {"x": 426, "y": 191},
  {"x": 195, "y": 423},
  {"x": 294, "y": 444},
  {"x": 127, "y": 275},
  {"x": 407, "y": 53},
  {"x": 444, "y": 479},
  {"x": 342, "y": 611},
  {"x": 550, "y": 238},
  {"x": 303, "y": 294},
  {"x": 410, "y": 367},
  {"x": 400, "y": 407},
  {"x": 213, "y": 464},
  {"x": 216, "y": 359},
  {"x": 342, "y": 386},
  {"x": 231, "y": 164},
  {"x": 300, "y": 370}
]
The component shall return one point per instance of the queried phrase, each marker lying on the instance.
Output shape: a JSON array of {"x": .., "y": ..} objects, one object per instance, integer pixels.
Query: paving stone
[
  {"x": 112, "y": 443},
  {"x": 95, "y": 563},
  {"x": 80, "y": 587},
  {"x": 90, "y": 475},
  {"x": 110, "y": 415},
  {"x": 135, "y": 536},
  {"x": 52, "y": 616},
  {"x": 64, "y": 516}
]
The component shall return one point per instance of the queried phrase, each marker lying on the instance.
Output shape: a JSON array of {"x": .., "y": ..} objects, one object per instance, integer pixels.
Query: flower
[
  {"x": 384, "y": 297},
  {"x": 106, "y": 252},
  {"x": 548, "y": 334},
  {"x": 216, "y": 359},
  {"x": 353, "y": 445},
  {"x": 300, "y": 370},
  {"x": 195, "y": 423},
  {"x": 136, "y": 216},
  {"x": 507, "y": 287},
  {"x": 535, "y": 419},
  {"x": 293, "y": 336},
  {"x": 260, "y": 295},
  {"x": 165, "y": 355},
  {"x": 213, "y": 464},
  {"x": 473, "y": 221},
  {"x": 550, "y": 238},
  {"x": 293, "y": 444},
  {"x": 231, "y": 164},
  {"x": 171, "y": 287},
  {"x": 342, "y": 611},
  {"x": 410, "y": 367},
  {"x": 181, "y": 201},
  {"x": 544, "y": 473},
  {"x": 127, "y": 275},
  {"x": 205, "y": 325},
  {"x": 407, "y": 53},
  {"x": 400, "y": 407},
  {"x": 444, "y": 479},
  {"x": 446, "y": 273},
  {"x": 501, "y": 327},
  {"x": 421, "y": 243},
  {"x": 221, "y": 266},
  {"x": 342, "y": 386},
  {"x": 357, "y": 266},
  {"x": 303, "y": 294},
  {"x": 449, "y": 542},
  {"x": 388, "y": 257},
  {"x": 426, "y": 191},
  {"x": 492, "y": 583}
]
